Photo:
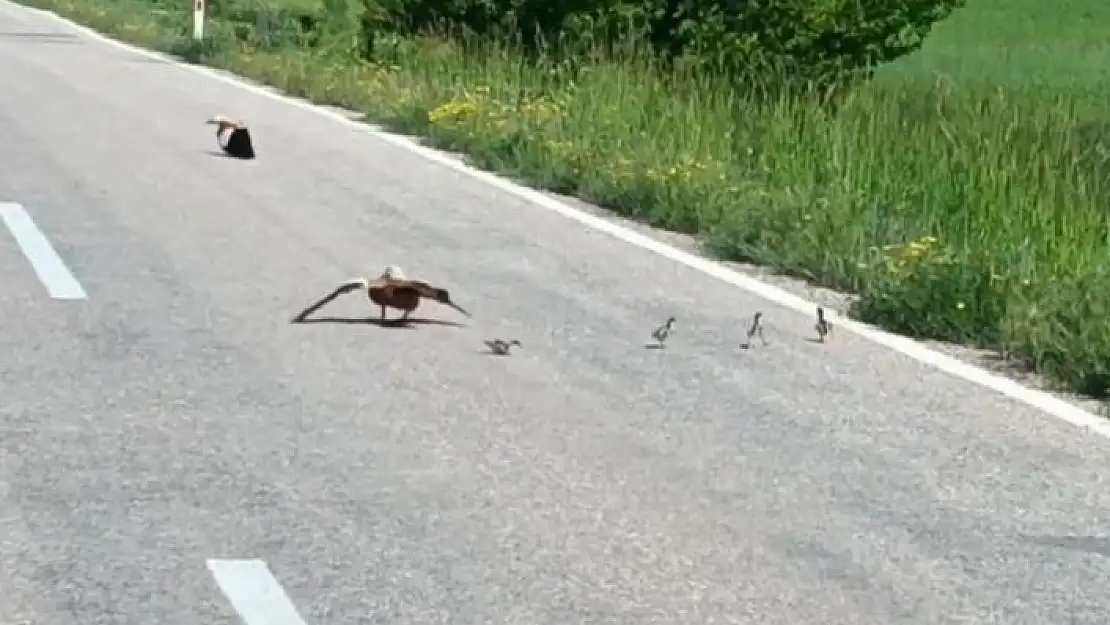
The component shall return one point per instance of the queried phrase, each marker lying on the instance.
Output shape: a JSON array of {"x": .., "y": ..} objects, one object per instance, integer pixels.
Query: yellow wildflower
[{"x": 453, "y": 111}]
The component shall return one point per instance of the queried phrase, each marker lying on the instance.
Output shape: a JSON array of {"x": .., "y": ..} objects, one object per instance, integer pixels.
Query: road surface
[{"x": 402, "y": 476}]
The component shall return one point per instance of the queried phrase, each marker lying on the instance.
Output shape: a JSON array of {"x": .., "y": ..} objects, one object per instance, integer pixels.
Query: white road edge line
[
  {"x": 1044, "y": 401},
  {"x": 254, "y": 593},
  {"x": 48, "y": 266}
]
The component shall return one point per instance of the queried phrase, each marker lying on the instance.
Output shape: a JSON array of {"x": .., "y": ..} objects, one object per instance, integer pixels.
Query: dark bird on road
[
  {"x": 822, "y": 326},
  {"x": 661, "y": 333},
  {"x": 756, "y": 329},
  {"x": 501, "y": 347},
  {"x": 233, "y": 137}
]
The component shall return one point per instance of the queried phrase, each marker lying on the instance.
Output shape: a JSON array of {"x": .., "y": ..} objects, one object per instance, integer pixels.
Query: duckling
[
  {"x": 755, "y": 329},
  {"x": 823, "y": 327},
  {"x": 661, "y": 333},
  {"x": 391, "y": 289},
  {"x": 501, "y": 347},
  {"x": 233, "y": 137}
]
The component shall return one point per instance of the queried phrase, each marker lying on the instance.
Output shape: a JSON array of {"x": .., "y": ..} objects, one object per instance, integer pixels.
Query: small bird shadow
[
  {"x": 65, "y": 38},
  {"x": 220, "y": 154},
  {"x": 813, "y": 340},
  {"x": 654, "y": 346},
  {"x": 377, "y": 321},
  {"x": 490, "y": 352},
  {"x": 1099, "y": 545}
]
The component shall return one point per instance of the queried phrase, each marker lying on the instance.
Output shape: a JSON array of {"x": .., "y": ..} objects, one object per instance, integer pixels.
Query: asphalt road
[{"x": 400, "y": 475}]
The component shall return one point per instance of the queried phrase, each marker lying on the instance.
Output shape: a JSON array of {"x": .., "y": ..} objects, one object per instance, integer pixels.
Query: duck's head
[{"x": 393, "y": 272}]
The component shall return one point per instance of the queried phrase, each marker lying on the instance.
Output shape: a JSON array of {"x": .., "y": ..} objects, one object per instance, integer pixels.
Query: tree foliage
[
  {"x": 775, "y": 43},
  {"x": 772, "y": 41},
  {"x": 808, "y": 41}
]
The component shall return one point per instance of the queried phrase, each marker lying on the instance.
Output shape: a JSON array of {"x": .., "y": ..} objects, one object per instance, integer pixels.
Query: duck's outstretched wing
[
  {"x": 435, "y": 293},
  {"x": 342, "y": 289}
]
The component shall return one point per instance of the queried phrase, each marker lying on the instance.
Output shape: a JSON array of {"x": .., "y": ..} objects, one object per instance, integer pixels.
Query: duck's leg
[{"x": 383, "y": 313}]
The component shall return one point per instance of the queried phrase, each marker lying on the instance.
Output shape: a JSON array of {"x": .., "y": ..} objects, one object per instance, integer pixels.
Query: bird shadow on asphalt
[
  {"x": 1099, "y": 545},
  {"x": 653, "y": 346},
  {"x": 303, "y": 317},
  {"x": 31, "y": 37},
  {"x": 227, "y": 156},
  {"x": 391, "y": 324}
]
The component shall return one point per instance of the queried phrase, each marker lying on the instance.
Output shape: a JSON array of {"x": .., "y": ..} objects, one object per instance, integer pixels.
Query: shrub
[
  {"x": 772, "y": 43},
  {"x": 795, "y": 42}
]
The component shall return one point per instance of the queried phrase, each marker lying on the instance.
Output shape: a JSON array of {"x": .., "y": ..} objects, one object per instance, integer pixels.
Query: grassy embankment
[{"x": 962, "y": 195}]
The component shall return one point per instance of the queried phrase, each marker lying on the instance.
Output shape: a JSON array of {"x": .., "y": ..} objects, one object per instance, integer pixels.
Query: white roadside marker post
[{"x": 198, "y": 19}]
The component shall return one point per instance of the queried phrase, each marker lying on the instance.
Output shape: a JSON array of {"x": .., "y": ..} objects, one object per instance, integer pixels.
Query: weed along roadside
[{"x": 960, "y": 193}]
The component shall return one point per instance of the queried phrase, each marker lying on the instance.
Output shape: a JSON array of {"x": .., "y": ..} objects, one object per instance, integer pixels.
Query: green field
[{"x": 962, "y": 195}]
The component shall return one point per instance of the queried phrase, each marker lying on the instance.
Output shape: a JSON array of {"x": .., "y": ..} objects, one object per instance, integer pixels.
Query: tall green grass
[{"x": 962, "y": 195}]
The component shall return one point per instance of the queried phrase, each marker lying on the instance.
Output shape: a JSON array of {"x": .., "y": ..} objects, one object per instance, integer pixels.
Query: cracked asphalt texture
[{"x": 399, "y": 475}]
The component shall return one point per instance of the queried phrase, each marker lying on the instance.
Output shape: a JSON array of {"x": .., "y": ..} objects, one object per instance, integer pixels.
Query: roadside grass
[{"x": 962, "y": 196}]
